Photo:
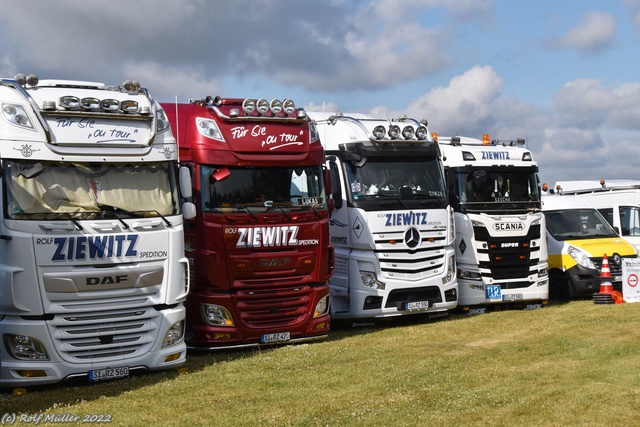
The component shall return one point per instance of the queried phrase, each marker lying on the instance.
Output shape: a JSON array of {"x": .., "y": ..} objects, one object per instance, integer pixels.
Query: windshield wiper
[
  {"x": 115, "y": 210},
  {"x": 66, "y": 215},
  {"x": 104, "y": 209}
]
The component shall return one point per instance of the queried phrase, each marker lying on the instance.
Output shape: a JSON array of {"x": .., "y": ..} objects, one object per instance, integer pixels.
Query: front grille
[
  {"x": 397, "y": 261},
  {"x": 282, "y": 305},
  {"x": 106, "y": 334},
  {"x": 509, "y": 257}
]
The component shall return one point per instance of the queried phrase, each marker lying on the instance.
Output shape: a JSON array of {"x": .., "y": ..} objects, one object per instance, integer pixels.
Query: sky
[{"x": 564, "y": 74}]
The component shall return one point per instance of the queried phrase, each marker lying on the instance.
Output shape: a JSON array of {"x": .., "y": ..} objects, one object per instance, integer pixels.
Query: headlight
[
  {"x": 322, "y": 307},
  {"x": 314, "y": 135},
  {"x": 581, "y": 258},
  {"x": 174, "y": 335},
  {"x": 16, "y": 115},
  {"x": 162, "y": 122},
  {"x": 470, "y": 275},
  {"x": 370, "y": 280},
  {"x": 209, "y": 128},
  {"x": 24, "y": 347},
  {"x": 216, "y": 315},
  {"x": 451, "y": 271}
]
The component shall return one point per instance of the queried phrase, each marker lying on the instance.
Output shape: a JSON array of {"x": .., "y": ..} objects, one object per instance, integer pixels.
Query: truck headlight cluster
[
  {"x": 451, "y": 271},
  {"x": 174, "y": 335},
  {"x": 370, "y": 280},
  {"x": 322, "y": 307},
  {"x": 216, "y": 315},
  {"x": 16, "y": 115},
  {"x": 24, "y": 347},
  {"x": 209, "y": 128}
]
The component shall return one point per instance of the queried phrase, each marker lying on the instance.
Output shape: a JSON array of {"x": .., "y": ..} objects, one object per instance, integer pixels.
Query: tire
[{"x": 560, "y": 288}]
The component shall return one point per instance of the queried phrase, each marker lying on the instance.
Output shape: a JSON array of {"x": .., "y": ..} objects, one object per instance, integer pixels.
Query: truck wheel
[{"x": 560, "y": 288}]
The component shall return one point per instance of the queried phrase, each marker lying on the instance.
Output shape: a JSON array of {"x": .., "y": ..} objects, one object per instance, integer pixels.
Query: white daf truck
[
  {"x": 392, "y": 227},
  {"x": 501, "y": 249},
  {"x": 92, "y": 268}
]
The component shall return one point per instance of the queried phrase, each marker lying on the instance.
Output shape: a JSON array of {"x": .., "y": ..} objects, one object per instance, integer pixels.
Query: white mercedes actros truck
[{"x": 392, "y": 227}]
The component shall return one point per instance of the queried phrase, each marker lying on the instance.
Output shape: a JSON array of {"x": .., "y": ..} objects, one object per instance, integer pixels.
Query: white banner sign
[{"x": 631, "y": 280}]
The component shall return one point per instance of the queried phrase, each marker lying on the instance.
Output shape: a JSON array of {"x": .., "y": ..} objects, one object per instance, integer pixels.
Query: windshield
[
  {"x": 77, "y": 190},
  {"x": 495, "y": 189},
  {"x": 572, "y": 224},
  {"x": 401, "y": 179},
  {"x": 261, "y": 189}
]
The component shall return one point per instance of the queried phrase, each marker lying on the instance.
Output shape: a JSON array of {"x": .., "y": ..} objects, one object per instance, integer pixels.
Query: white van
[
  {"x": 578, "y": 238},
  {"x": 618, "y": 201}
]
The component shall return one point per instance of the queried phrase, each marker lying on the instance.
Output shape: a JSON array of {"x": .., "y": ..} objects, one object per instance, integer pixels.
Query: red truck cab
[{"x": 259, "y": 244}]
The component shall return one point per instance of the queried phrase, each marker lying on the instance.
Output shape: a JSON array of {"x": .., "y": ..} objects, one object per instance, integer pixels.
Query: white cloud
[
  {"x": 594, "y": 33},
  {"x": 464, "y": 106},
  {"x": 588, "y": 104}
]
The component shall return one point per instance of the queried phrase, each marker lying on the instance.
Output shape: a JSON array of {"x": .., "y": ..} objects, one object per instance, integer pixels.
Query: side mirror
[
  {"x": 188, "y": 210},
  {"x": 184, "y": 179},
  {"x": 336, "y": 193}
]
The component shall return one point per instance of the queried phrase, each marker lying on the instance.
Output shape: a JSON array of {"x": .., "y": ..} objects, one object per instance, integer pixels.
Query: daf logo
[{"x": 412, "y": 237}]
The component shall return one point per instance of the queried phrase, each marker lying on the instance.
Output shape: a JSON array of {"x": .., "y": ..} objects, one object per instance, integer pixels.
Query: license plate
[
  {"x": 417, "y": 305},
  {"x": 277, "y": 337},
  {"x": 512, "y": 297},
  {"x": 493, "y": 291},
  {"x": 108, "y": 374}
]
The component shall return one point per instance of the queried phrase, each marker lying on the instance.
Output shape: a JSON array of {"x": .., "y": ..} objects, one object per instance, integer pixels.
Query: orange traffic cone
[
  {"x": 605, "y": 296},
  {"x": 606, "y": 287}
]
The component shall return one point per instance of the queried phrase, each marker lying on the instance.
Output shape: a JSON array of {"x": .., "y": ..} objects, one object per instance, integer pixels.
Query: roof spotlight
[
  {"x": 394, "y": 131},
  {"x": 275, "y": 106},
  {"x": 20, "y": 79},
  {"x": 289, "y": 106},
  {"x": 32, "y": 80},
  {"x": 379, "y": 132},
  {"x": 422, "y": 133},
  {"x": 249, "y": 106},
  {"x": 262, "y": 105},
  {"x": 408, "y": 132}
]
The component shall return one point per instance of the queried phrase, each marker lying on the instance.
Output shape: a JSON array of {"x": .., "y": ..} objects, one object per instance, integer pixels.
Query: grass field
[{"x": 575, "y": 364}]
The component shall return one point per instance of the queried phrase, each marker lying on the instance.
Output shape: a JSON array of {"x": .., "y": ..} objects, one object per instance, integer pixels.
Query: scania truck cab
[{"x": 501, "y": 250}]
